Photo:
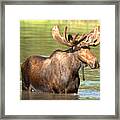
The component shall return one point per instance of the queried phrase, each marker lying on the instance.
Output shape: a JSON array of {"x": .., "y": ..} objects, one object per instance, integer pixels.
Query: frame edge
[{"x": 2, "y": 64}]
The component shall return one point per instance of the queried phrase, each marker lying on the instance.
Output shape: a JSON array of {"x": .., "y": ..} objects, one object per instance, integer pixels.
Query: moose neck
[
  {"x": 74, "y": 54},
  {"x": 74, "y": 57},
  {"x": 67, "y": 58}
]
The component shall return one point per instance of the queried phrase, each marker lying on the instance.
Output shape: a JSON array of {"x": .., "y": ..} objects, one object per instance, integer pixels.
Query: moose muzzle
[{"x": 94, "y": 65}]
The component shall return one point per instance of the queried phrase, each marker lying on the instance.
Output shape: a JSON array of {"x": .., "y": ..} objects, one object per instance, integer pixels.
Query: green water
[{"x": 36, "y": 39}]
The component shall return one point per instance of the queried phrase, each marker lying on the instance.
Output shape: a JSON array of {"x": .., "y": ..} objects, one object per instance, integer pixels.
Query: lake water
[{"x": 88, "y": 91}]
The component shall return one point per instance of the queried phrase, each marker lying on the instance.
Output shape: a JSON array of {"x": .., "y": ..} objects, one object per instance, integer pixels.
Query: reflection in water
[
  {"x": 45, "y": 96},
  {"x": 88, "y": 91},
  {"x": 89, "y": 94}
]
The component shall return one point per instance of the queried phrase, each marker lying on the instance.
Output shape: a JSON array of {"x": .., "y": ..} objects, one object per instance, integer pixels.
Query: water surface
[{"x": 84, "y": 93}]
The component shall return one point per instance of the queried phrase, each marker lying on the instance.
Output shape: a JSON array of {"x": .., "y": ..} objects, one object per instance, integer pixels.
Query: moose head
[{"x": 80, "y": 44}]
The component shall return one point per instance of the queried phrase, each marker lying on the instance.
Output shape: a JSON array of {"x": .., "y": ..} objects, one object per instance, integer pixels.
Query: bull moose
[{"x": 59, "y": 73}]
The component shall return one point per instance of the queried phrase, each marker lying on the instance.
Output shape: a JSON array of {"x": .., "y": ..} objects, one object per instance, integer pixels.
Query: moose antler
[
  {"x": 56, "y": 36},
  {"x": 90, "y": 39},
  {"x": 93, "y": 38},
  {"x": 72, "y": 39}
]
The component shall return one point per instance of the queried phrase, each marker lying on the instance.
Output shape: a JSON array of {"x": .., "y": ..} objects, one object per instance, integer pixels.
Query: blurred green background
[{"x": 36, "y": 39}]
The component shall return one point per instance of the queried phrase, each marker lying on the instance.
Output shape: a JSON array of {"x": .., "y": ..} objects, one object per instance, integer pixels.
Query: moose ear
[{"x": 70, "y": 37}]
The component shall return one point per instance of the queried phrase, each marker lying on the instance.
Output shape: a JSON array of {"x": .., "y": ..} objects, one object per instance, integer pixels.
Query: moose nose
[{"x": 95, "y": 65}]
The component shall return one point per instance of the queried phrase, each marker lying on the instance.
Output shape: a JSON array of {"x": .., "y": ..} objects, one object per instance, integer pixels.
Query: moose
[{"x": 59, "y": 73}]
